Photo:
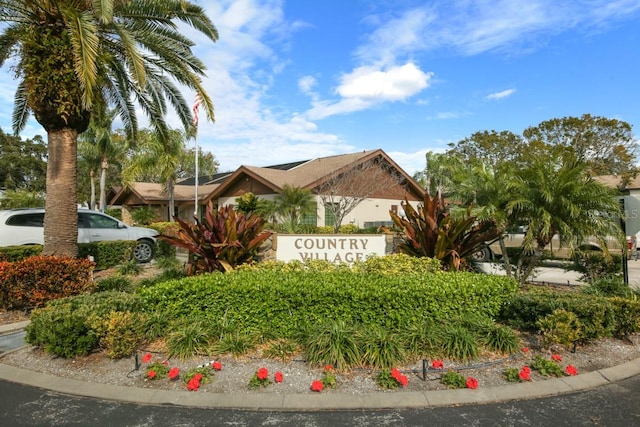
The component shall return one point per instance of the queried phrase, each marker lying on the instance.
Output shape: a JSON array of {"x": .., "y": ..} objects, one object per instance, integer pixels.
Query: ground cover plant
[{"x": 325, "y": 314}]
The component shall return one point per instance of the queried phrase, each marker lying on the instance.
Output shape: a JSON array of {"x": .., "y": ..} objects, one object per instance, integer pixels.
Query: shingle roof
[{"x": 152, "y": 191}]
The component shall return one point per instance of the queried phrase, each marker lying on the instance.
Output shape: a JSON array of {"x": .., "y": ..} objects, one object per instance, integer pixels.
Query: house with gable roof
[{"x": 380, "y": 183}]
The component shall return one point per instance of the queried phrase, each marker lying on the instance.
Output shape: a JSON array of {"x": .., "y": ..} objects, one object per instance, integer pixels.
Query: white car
[{"x": 26, "y": 227}]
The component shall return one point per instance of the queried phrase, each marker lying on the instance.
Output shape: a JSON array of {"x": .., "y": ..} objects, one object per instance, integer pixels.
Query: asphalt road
[{"x": 612, "y": 405}]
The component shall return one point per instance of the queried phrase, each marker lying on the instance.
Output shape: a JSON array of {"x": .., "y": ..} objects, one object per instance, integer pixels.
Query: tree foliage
[{"x": 23, "y": 164}]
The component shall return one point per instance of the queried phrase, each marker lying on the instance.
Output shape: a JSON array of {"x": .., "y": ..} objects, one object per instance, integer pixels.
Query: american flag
[{"x": 196, "y": 106}]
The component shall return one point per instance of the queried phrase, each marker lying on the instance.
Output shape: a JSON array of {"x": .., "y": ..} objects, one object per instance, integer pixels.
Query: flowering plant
[
  {"x": 174, "y": 373},
  {"x": 216, "y": 366},
  {"x": 525, "y": 374},
  {"x": 472, "y": 383},
  {"x": 197, "y": 376},
  {"x": 513, "y": 375},
  {"x": 525, "y": 349},
  {"x": 260, "y": 378},
  {"x": 328, "y": 377},
  {"x": 391, "y": 379},
  {"x": 156, "y": 370},
  {"x": 278, "y": 377},
  {"x": 556, "y": 357},
  {"x": 571, "y": 370},
  {"x": 437, "y": 364},
  {"x": 317, "y": 386}
]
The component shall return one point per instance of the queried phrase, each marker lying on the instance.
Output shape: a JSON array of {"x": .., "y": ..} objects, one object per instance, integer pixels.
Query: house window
[
  {"x": 329, "y": 218},
  {"x": 310, "y": 218}
]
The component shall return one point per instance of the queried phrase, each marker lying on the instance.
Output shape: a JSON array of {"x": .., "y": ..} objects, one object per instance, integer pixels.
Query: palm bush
[
  {"x": 431, "y": 231},
  {"x": 223, "y": 240}
]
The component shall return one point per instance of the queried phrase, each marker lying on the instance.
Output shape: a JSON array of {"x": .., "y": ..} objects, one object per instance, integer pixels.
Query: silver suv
[{"x": 26, "y": 227}]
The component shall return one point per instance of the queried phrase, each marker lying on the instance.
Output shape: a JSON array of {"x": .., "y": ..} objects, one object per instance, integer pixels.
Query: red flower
[
  {"x": 403, "y": 380},
  {"x": 173, "y": 373},
  {"x": 556, "y": 357},
  {"x": 328, "y": 368},
  {"x": 317, "y": 386},
  {"x": 525, "y": 374},
  {"x": 437, "y": 364},
  {"x": 147, "y": 357},
  {"x": 217, "y": 366},
  {"x": 262, "y": 374},
  {"x": 571, "y": 370},
  {"x": 278, "y": 377},
  {"x": 472, "y": 383},
  {"x": 151, "y": 374},
  {"x": 198, "y": 376},
  {"x": 395, "y": 373},
  {"x": 525, "y": 349},
  {"x": 193, "y": 384}
]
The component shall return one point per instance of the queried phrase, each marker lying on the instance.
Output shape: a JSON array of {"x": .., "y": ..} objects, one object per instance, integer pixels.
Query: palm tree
[
  {"x": 292, "y": 204},
  {"x": 558, "y": 196},
  {"x": 75, "y": 55},
  {"x": 158, "y": 160}
]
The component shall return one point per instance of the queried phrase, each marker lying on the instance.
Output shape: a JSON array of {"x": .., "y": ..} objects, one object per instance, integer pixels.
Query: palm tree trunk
[
  {"x": 171, "y": 199},
  {"x": 92, "y": 183},
  {"x": 103, "y": 183},
  {"x": 61, "y": 210},
  {"x": 505, "y": 257}
]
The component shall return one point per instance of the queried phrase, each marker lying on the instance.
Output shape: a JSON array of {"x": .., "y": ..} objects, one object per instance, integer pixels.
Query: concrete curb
[{"x": 327, "y": 400}]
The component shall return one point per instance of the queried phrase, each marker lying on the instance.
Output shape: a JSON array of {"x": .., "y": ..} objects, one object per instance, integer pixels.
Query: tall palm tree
[
  {"x": 75, "y": 54},
  {"x": 558, "y": 196},
  {"x": 157, "y": 159}
]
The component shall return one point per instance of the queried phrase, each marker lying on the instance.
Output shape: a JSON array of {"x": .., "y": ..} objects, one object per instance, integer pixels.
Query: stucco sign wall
[{"x": 335, "y": 248}]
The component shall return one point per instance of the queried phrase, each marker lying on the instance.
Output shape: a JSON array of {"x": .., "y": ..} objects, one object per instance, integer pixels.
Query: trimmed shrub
[
  {"x": 109, "y": 253},
  {"x": 30, "y": 283},
  {"x": 114, "y": 283},
  {"x": 63, "y": 326},
  {"x": 19, "y": 253},
  {"x": 560, "y": 327},
  {"x": 596, "y": 314},
  {"x": 268, "y": 302},
  {"x": 120, "y": 332},
  {"x": 627, "y": 315}
]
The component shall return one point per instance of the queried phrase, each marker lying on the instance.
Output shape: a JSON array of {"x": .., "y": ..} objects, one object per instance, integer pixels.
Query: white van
[{"x": 26, "y": 227}]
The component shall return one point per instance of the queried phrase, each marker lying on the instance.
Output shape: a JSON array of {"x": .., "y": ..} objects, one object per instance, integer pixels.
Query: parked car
[
  {"x": 26, "y": 227},
  {"x": 514, "y": 240}
]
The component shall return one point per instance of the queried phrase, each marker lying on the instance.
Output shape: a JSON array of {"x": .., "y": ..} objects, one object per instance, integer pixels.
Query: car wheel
[
  {"x": 144, "y": 251},
  {"x": 483, "y": 254}
]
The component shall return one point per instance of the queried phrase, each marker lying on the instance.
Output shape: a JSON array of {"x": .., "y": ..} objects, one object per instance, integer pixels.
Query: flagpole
[
  {"x": 196, "y": 106},
  {"x": 195, "y": 211}
]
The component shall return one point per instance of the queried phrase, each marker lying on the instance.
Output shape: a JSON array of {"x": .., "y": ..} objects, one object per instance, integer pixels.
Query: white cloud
[
  {"x": 368, "y": 86},
  {"x": 500, "y": 95}
]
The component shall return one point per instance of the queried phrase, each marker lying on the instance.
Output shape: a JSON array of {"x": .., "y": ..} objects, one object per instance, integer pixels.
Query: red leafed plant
[
  {"x": 431, "y": 231},
  {"x": 223, "y": 240}
]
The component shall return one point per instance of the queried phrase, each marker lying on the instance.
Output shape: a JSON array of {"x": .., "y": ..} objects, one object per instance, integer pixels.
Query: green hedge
[
  {"x": 163, "y": 248},
  {"x": 271, "y": 302},
  {"x": 108, "y": 253},
  {"x": 105, "y": 254},
  {"x": 597, "y": 314},
  {"x": 64, "y": 327}
]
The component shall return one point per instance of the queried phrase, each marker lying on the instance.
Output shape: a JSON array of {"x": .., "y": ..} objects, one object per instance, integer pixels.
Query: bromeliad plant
[
  {"x": 431, "y": 231},
  {"x": 223, "y": 240}
]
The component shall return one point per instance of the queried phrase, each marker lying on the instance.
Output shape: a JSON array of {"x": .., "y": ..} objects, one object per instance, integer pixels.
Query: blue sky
[{"x": 294, "y": 80}]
